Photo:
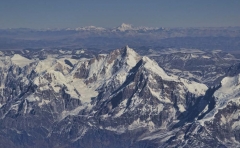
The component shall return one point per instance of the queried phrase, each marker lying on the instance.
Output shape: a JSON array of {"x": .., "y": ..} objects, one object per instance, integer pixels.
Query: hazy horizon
[{"x": 175, "y": 27}]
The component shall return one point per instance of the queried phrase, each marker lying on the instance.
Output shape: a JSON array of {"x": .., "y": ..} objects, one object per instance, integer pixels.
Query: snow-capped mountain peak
[
  {"x": 61, "y": 98},
  {"x": 124, "y": 27}
]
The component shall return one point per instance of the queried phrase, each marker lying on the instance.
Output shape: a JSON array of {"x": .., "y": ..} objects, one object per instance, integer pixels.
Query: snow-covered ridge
[
  {"x": 148, "y": 69},
  {"x": 83, "y": 79},
  {"x": 107, "y": 67},
  {"x": 120, "y": 91},
  {"x": 193, "y": 87},
  {"x": 20, "y": 60},
  {"x": 103, "y": 68},
  {"x": 122, "y": 28},
  {"x": 128, "y": 27},
  {"x": 229, "y": 91}
]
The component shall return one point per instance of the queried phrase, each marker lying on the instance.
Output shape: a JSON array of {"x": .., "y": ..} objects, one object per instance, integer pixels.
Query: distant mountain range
[{"x": 224, "y": 38}]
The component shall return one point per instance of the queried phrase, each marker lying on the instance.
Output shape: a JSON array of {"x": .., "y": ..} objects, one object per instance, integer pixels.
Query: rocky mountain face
[{"x": 120, "y": 99}]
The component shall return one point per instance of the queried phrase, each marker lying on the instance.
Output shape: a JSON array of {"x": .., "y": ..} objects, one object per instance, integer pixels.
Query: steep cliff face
[
  {"x": 118, "y": 99},
  {"x": 218, "y": 124}
]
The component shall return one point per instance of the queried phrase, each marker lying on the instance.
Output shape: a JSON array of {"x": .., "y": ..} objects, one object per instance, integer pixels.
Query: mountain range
[
  {"x": 121, "y": 98},
  {"x": 205, "y": 38}
]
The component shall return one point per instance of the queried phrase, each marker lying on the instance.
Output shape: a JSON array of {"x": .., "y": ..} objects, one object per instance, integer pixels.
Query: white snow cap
[
  {"x": 125, "y": 27},
  {"x": 20, "y": 60}
]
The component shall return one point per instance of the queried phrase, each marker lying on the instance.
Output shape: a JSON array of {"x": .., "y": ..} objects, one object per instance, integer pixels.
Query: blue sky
[{"x": 110, "y": 13}]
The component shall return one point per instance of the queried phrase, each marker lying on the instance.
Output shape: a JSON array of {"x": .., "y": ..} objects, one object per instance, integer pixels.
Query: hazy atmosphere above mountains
[{"x": 106, "y": 13}]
